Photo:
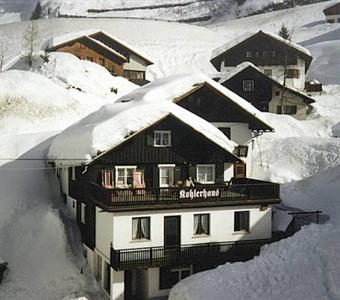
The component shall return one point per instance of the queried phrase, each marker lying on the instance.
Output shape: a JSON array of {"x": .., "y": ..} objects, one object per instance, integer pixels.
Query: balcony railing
[
  {"x": 237, "y": 190},
  {"x": 211, "y": 253}
]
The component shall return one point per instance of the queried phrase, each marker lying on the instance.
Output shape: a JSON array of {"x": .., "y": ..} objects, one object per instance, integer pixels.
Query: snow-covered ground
[{"x": 44, "y": 255}]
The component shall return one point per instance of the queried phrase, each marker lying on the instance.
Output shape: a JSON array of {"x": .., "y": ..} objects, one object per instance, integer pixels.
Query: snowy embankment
[
  {"x": 306, "y": 159},
  {"x": 44, "y": 255}
]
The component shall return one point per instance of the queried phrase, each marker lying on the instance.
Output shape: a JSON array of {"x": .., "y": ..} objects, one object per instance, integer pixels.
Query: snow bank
[{"x": 113, "y": 124}]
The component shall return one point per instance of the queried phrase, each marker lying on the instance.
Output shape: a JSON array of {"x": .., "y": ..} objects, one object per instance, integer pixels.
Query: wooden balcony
[
  {"x": 209, "y": 253},
  {"x": 237, "y": 192}
]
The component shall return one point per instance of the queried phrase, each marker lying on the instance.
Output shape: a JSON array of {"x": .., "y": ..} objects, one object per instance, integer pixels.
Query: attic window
[
  {"x": 162, "y": 138},
  {"x": 249, "y": 54},
  {"x": 241, "y": 151},
  {"x": 293, "y": 73},
  {"x": 268, "y": 72},
  {"x": 248, "y": 85}
]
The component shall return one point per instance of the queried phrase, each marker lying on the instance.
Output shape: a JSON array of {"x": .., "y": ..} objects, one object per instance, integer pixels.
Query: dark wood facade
[
  {"x": 262, "y": 92},
  {"x": 332, "y": 10},
  {"x": 211, "y": 105},
  {"x": 263, "y": 50}
]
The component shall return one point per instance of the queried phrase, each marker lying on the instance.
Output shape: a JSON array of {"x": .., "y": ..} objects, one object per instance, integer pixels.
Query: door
[{"x": 172, "y": 231}]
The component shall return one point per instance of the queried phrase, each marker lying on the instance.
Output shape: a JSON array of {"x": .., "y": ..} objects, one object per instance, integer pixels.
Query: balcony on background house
[
  {"x": 239, "y": 191},
  {"x": 212, "y": 253}
]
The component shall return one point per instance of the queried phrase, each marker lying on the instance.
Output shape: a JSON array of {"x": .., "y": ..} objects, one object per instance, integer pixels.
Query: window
[
  {"x": 249, "y": 54},
  {"x": 101, "y": 61},
  {"x": 141, "y": 228},
  {"x": 107, "y": 179},
  {"x": 166, "y": 176},
  {"x": 82, "y": 212},
  {"x": 124, "y": 176},
  {"x": 162, "y": 138},
  {"x": 273, "y": 53},
  {"x": 169, "y": 277},
  {"x": 241, "y": 221},
  {"x": 287, "y": 109},
  {"x": 134, "y": 74},
  {"x": 240, "y": 170},
  {"x": 241, "y": 151},
  {"x": 248, "y": 85},
  {"x": 205, "y": 173},
  {"x": 293, "y": 73},
  {"x": 257, "y": 53},
  {"x": 277, "y": 93},
  {"x": 89, "y": 58},
  {"x": 268, "y": 72},
  {"x": 98, "y": 267},
  {"x": 107, "y": 277},
  {"x": 201, "y": 224}
]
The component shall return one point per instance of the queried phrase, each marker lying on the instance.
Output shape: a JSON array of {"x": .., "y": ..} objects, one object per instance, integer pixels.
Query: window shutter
[
  {"x": 149, "y": 139},
  {"x": 192, "y": 172},
  {"x": 177, "y": 174},
  {"x": 155, "y": 172}
]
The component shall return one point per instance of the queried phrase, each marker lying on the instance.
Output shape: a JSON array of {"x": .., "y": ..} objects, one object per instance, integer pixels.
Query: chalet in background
[
  {"x": 102, "y": 48},
  {"x": 166, "y": 195},
  {"x": 332, "y": 13},
  {"x": 267, "y": 93},
  {"x": 272, "y": 54}
]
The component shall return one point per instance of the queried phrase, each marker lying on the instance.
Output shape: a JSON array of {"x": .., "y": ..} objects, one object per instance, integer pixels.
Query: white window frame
[
  {"x": 73, "y": 173},
  {"x": 245, "y": 85},
  {"x": 199, "y": 217},
  {"x": 105, "y": 175},
  {"x": 125, "y": 175},
  {"x": 268, "y": 72},
  {"x": 205, "y": 166},
  {"x": 147, "y": 238},
  {"x": 249, "y": 54},
  {"x": 172, "y": 175},
  {"x": 162, "y": 133},
  {"x": 83, "y": 213}
]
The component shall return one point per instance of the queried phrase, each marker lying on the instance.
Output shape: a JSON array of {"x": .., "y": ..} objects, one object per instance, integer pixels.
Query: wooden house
[
  {"x": 152, "y": 192},
  {"x": 267, "y": 93},
  {"x": 116, "y": 56},
  {"x": 332, "y": 13},
  {"x": 273, "y": 55}
]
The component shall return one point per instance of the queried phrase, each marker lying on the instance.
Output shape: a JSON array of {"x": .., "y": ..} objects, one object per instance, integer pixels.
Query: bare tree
[
  {"x": 30, "y": 37},
  {"x": 3, "y": 51}
]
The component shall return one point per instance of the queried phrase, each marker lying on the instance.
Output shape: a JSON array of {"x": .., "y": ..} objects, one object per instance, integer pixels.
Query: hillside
[{"x": 42, "y": 245}]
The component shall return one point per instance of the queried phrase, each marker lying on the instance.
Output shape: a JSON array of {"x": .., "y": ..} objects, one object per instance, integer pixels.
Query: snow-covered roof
[
  {"x": 334, "y": 3},
  {"x": 176, "y": 87},
  {"x": 227, "y": 46},
  {"x": 227, "y": 75},
  {"x": 113, "y": 124},
  {"x": 65, "y": 38}
]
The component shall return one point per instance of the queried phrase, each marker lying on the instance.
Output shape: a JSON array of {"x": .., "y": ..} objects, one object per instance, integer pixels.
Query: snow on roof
[
  {"x": 218, "y": 51},
  {"x": 106, "y": 47},
  {"x": 114, "y": 123},
  {"x": 227, "y": 75},
  {"x": 176, "y": 86},
  {"x": 59, "y": 40}
]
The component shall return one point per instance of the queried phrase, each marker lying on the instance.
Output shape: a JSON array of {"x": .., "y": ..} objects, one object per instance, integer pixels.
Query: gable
[
  {"x": 332, "y": 10},
  {"x": 212, "y": 106},
  {"x": 92, "y": 45},
  {"x": 187, "y": 146},
  {"x": 265, "y": 51}
]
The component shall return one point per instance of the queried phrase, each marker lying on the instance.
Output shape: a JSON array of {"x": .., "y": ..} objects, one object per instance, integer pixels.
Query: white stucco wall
[
  {"x": 104, "y": 232},
  {"x": 135, "y": 64},
  {"x": 117, "y": 287},
  {"x": 90, "y": 257},
  {"x": 154, "y": 290},
  {"x": 334, "y": 18},
  {"x": 289, "y": 99},
  {"x": 221, "y": 226}
]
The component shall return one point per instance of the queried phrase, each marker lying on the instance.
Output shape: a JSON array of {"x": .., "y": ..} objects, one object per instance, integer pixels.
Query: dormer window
[
  {"x": 248, "y": 85},
  {"x": 162, "y": 138}
]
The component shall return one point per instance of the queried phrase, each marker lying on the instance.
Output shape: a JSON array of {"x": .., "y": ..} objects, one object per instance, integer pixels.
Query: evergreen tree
[
  {"x": 37, "y": 13},
  {"x": 284, "y": 33}
]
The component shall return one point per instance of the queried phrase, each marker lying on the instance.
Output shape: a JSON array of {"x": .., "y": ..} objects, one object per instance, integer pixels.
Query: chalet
[
  {"x": 147, "y": 186},
  {"x": 204, "y": 97},
  {"x": 332, "y": 13},
  {"x": 267, "y": 93},
  {"x": 102, "y": 48},
  {"x": 273, "y": 55}
]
